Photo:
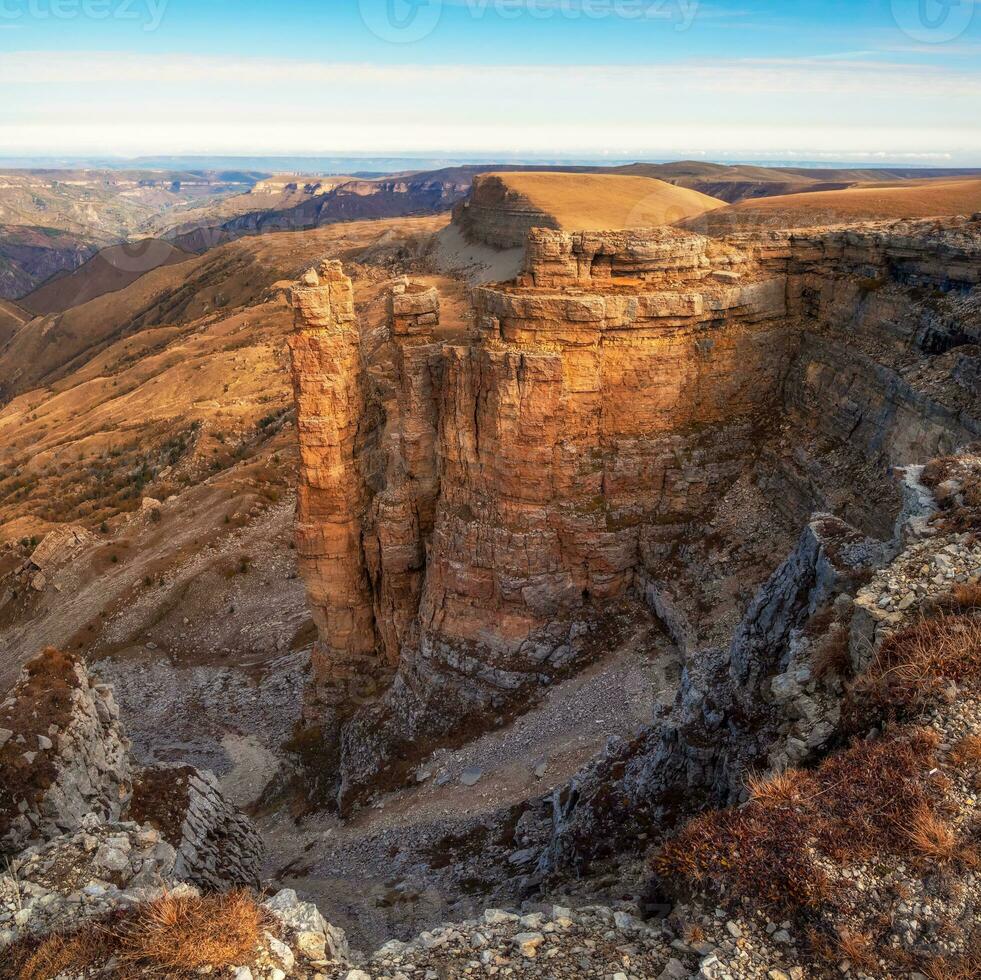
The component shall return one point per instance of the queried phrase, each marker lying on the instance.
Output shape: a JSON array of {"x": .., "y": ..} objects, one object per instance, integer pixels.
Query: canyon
[
  {"x": 587, "y": 557},
  {"x": 473, "y": 512}
]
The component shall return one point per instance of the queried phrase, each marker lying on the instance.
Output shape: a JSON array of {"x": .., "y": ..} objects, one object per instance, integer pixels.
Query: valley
[{"x": 487, "y": 533}]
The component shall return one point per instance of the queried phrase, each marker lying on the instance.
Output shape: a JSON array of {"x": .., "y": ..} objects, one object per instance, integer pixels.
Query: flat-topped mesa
[{"x": 498, "y": 216}]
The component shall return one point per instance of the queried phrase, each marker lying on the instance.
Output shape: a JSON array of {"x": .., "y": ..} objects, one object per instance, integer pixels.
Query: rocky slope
[{"x": 474, "y": 510}]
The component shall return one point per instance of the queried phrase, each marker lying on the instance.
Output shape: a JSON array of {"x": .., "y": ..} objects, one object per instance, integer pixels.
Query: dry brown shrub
[
  {"x": 858, "y": 949},
  {"x": 182, "y": 933},
  {"x": 965, "y": 597},
  {"x": 832, "y": 656},
  {"x": 41, "y": 959},
  {"x": 858, "y": 804},
  {"x": 786, "y": 788},
  {"x": 912, "y": 666},
  {"x": 966, "y": 752},
  {"x": 932, "y": 836},
  {"x": 758, "y": 852},
  {"x": 964, "y": 967}
]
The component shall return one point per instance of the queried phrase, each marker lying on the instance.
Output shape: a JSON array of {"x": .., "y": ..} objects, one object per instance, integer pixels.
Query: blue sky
[{"x": 867, "y": 80}]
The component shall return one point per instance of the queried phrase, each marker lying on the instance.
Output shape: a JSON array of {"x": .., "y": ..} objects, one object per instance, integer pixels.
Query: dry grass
[
  {"x": 868, "y": 202},
  {"x": 184, "y": 933},
  {"x": 73, "y": 952},
  {"x": 960, "y": 509},
  {"x": 912, "y": 667},
  {"x": 964, "y": 598},
  {"x": 966, "y": 753},
  {"x": 601, "y": 202},
  {"x": 173, "y": 937},
  {"x": 933, "y": 836},
  {"x": 858, "y": 949},
  {"x": 832, "y": 656},
  {"x": 784, "y": 789},
  {"x": 964, "y": 967},
  {"x": 876, "y": 798}
]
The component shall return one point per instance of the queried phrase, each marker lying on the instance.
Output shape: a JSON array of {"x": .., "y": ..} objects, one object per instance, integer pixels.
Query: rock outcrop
[
  {"x": 496, "y": 215},
  {"x": 471, "y": 513},
  {"x": 216, "y": 846},
  {"x": 751, "y": 707},
  {"x": 66, "y": 771},
  {"x": 62, "y": 753}
]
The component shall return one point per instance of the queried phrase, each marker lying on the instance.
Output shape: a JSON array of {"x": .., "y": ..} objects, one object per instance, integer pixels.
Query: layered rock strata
[
  {"x": 215, "y": 845},
  {"x": 497, "y": 215},
  {"x": 471, "y": 513}
]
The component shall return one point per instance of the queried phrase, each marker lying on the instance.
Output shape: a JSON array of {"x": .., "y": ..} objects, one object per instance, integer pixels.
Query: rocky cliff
[
  {"x": 472, "y": 513},
  {"x": 65, "y": 767}
]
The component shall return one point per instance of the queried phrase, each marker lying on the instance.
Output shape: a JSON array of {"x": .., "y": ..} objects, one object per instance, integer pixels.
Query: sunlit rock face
[{"x": 471, "y": 514}]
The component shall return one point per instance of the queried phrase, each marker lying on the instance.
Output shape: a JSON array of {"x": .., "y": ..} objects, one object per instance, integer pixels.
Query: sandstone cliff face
[{"x": 471, "y": 512}]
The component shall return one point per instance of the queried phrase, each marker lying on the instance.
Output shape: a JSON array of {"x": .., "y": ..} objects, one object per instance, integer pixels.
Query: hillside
[
  {"x": 864, "y": 202},
  {"x": 223, "y": 279},
  {"x": 29, "y": 255},
  {"x": 107, "y": 271},
  {"x": 738, "y": 182},
  {"x": 327, "y": 203},
  {"x": 52, "y": 221},
  {"x": 275, "y": 193},
  {"x": 12, "y": 318}
]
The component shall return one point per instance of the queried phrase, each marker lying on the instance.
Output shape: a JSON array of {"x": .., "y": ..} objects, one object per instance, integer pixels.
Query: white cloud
[
  {"x": 112, "y": 102},
  {"x": 25, "y": 68}
]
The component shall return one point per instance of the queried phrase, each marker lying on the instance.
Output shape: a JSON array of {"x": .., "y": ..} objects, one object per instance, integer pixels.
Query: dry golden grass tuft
[
  {"x": 966, "y": 752},
  {"x": 878, "y": 797},
  {"x": 173, "y": 937},
  {"x": 786, "y": 788},
  {"x": 966, "y": 597},
  {"x": 933, "y": 836},
  {"x": 179, "y": 933},
  {"x": 913, "y": 665},
  {"x": 57, "y": 953},
  {"x": 858, "y": 948}
]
